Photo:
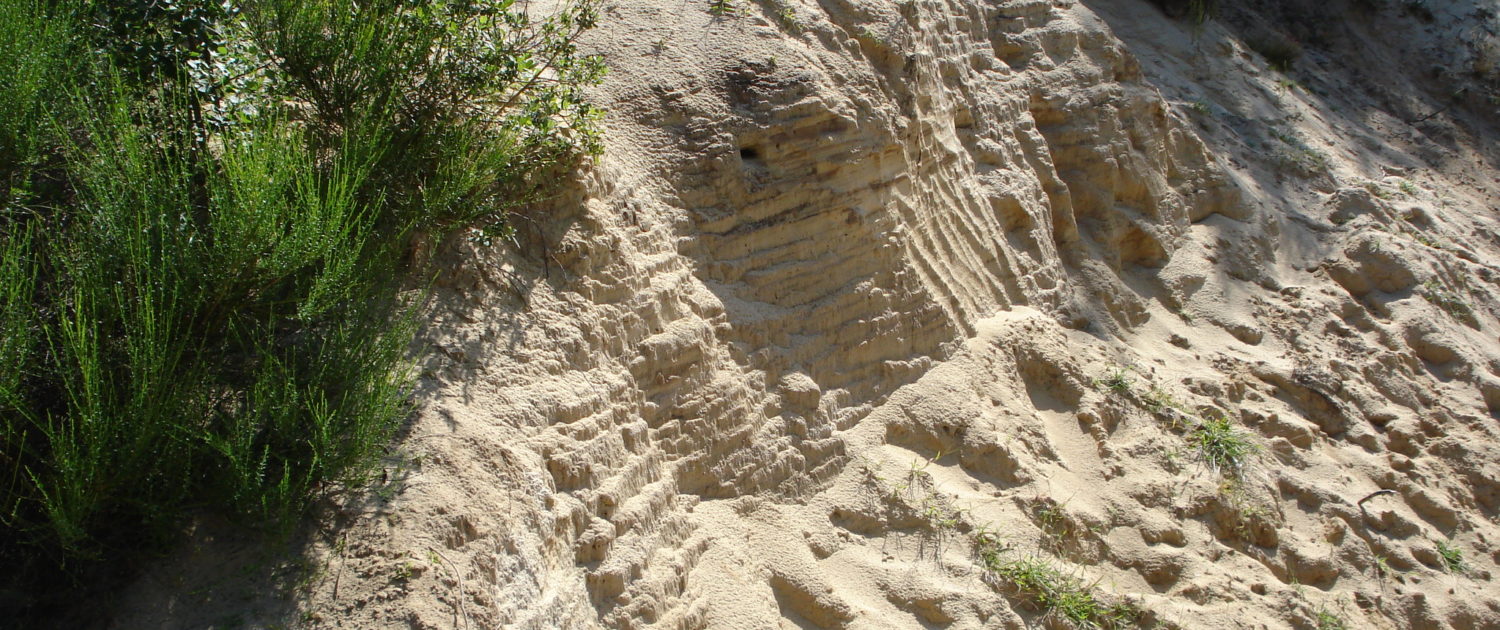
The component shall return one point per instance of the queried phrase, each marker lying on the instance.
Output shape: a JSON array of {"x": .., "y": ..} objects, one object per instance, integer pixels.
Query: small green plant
[
  {"x": 1377, "y": 189},
  {"x": 869, "y": 35},
  {"x": 915, "y": 474},
  {"x": 789, "y": 20},
  {"x": 1450, "y": 301},
  {"x": 938, "y": 514},
  {"x": 1427, "y": 240},
  {"x": 1329, "y": 620},
  {"x": 1300, "y": 159},
  {"x": 1221, "y": 446},
  {"x": 942, "y": 520},
  {"x": 1407, "y": 188},
  {"x": 1044, "y": 586},
  {"x": 404, "y": 572},
  {"x": 1052, "y": 518},
  {"x": 989, "y": 547},
  {"x": 722, "y": 7},
  {"x": 1383, "y": 566},
  {"x": 1453, "y": 558},
  {"x": 1117, "y": 381},
  {"x": 1245, "y": 512},
  {"x": 1158, "y": 400},
  {"x": 1200, "y": 106}
]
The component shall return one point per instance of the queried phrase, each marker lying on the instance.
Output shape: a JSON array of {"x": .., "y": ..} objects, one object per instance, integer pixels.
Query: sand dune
[{"x": 869, "y": 301}]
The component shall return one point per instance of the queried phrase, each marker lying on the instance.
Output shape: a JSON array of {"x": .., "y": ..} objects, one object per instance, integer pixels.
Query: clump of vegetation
[
  {"x": 1377, "y": 189},
  {"x": 788, "y": 18},
  {"x": 1296, "y": 156},
  {"x": 1037, "y": 581},
  {"x": 722, "y": 7},
  {"x": 1215, "y": 439},
  {"x": 1452, "y": 302},
  {"x": 1453, "y": 558},
  {"x": 943, "y": 521},
  {"x": 1427, "y": 240},
  {"x": 1054, "y": 592},
  {"x": 1052, "y": 518},
  {"x": 1221, "y": 446},
  {"x": 1158, "y": 400},
  {"x": 1303, "y": 161},
  {"x": 206, "y": 214},
  {"x": 1418, "y": 9},
  {"x": 1279, "y": 50},
  {"x": 1329, "y": 620},
  {"x": 1247, "y": 518},
  {"x": 1383, "y": 567},
  {"x": 1197, "y": 11},
  {"x": 1117, "y": 381}
]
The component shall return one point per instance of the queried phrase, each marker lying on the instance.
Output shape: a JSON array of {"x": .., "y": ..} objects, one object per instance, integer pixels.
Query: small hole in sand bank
[{"x": 749, "y": 154}]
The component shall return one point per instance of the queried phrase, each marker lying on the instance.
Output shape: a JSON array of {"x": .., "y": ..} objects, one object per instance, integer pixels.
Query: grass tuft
[
  {"x": 1117, "y": 381},
  {"x": 1329, "y": 620},
  {"x": 1451, "y": 301},
  {"x": 722, "y": 7},
  {"x": 1221, "y": 446},
  {"x": 1058, "y": 594},
  {"x": 1453, "y": 558}
]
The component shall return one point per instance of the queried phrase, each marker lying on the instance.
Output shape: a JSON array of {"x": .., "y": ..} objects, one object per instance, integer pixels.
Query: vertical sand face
[{"x": 862, "y": 285}]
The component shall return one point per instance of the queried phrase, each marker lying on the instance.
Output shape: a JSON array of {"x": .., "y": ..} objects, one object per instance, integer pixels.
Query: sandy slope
[{"x": 844, "y": 295}]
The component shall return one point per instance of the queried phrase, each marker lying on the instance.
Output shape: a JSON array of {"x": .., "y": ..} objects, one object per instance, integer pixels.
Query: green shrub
[
  {"x": 1197, "y": 11},
  {"x": 1279, "y": 50},
  {"x": 33, "y": 50},
  {"x": 205, "y": 235}
]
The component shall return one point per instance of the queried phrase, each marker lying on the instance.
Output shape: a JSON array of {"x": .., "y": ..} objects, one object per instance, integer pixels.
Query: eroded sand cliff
[{"x": 859, "y": 289}]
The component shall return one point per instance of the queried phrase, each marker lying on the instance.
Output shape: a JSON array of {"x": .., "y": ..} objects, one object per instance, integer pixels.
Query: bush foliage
[{"x": 206, "y": 210}]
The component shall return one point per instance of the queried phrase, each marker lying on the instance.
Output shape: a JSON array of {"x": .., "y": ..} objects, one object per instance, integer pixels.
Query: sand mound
[{"x": 868, "y": 299}]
